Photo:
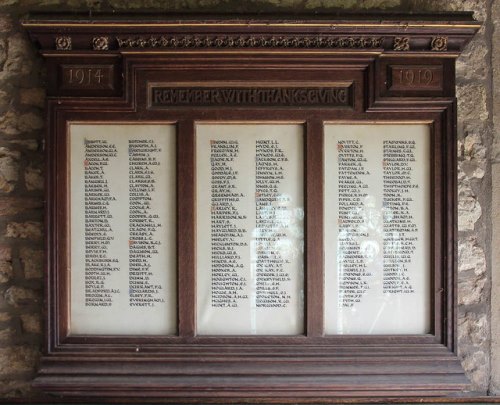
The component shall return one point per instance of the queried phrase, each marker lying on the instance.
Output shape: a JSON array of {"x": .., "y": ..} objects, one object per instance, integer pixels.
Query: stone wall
[
  {"x": 22, "y": 102},
  {"x": 474, "y": 202},
  {"x": 21, "y": 175},
  {"x": 495, "y": 212}
]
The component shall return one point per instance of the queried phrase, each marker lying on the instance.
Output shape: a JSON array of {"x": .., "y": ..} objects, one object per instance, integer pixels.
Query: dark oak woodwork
[{"x": 364, "y": 69}]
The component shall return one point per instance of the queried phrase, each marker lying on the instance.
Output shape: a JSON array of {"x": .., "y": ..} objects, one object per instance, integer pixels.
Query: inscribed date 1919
[{"x": 416, "y": 78}]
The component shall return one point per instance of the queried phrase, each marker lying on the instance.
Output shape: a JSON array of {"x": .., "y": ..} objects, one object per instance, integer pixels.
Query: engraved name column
[
  {"x": 144, "y": 222},
  {"x": 99, "y": 233},
  {"x": 123, "y": 229},
  {"x": 227, "y": 229},
  {"x": 273, "y": 221},
  {"x": 249, "y": 229},
  {"x": 377, "y": 228},
  {"x": 353, "y": 232},
  {"x": 400, "y": 229}
]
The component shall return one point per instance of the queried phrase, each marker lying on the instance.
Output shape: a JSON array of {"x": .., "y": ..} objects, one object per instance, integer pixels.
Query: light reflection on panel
[
  {"x": 250, "y": 242},
  {"x": 377, "y": 229}
]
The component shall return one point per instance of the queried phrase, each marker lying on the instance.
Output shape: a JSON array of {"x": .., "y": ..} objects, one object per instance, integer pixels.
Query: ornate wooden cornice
[{"x": 446, "y": 34}]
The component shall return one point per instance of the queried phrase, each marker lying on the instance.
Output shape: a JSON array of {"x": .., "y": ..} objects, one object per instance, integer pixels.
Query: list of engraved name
[
  {"x": 106, "y": 205},
  {"x": 400, "y": 229},
  {"x": 227, "y": 226},
  {"x": 231, "y": 237},
  {"x": 352, "y": 194},
  {"x": 271, "y": 208},
  {"x": 99, "y": 234},
  {"x": 143, "y": 222},
  {"x": 375, "y": 234}
]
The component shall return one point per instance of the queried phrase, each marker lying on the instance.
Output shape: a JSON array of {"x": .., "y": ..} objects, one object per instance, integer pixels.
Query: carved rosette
[
  {"x": 193, "y": 41},
  {"x": 439, "y": 44},
  {"x": 63, "y": 43},
  {"x": 401, "y": 44},
  {"x": 100, "y": 43}
]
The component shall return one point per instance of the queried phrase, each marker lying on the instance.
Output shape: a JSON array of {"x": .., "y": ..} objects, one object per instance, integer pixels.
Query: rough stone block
[
  {"x": 5, "y": 21},
  {"x": 473, "y": 328},
  {"x": 9, "y": 169},
  {"x": 34, "y": 97},
  {"x": 33, "y": 176},
  {"x": 5, "y": 253},
  {"x": 471, "y": 256},
  {"x": 5, "y": 316},
  {"x": 32, "y": 262},
  {"x": 15, "y": 388},
  {"x": 472, "y": 272},
  {"x": 472, "y": 102},
  {"x": 6, "y": 335},
  {"x": 19, "y": 55},
  {"x": 471, "y": 169},
  {"x": 15, "y": 123},
  {"x": 3, "y": 52},
  {"x": 28, "y": 144},
  {"x": 5, "y": 98},
  {"x": 25, "y": 230},
  {"x": 17, "y": 359},
  {"x": 469, "y": 209},
  {"x": 472, "y": 63},
  {"x": 473, "y": 343},
  {"x": 475, "y": 364},
  {"x": 471, "y": 290},
  {"x": 6, "y": 271},
  {"x": 20, "y": 296},
  {"x": 17, "y": 205},
  {"x": 474, "y": 147},
  {"x": 6, "y": 3},
  {"x": 31, "y": 323}
]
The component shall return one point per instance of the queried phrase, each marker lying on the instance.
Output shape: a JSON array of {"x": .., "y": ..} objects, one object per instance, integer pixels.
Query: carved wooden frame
[{"x": 384, "y": 68}]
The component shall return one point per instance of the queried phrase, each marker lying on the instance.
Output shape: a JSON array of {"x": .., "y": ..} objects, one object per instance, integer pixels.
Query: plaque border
[
  {"x": 312, "y": 368},
  {"x": 201, "y": 123},
  {"x": 67, "y": 141},
  {"x": 434, "y": 279}
]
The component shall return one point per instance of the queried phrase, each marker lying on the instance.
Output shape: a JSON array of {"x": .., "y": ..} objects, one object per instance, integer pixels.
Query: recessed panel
[
  {"x": 250, "y": 232},
  {"x": 377, "y": 229},
  {"x": 123, "y": 266},
  {"x": 421, "y": 78}
]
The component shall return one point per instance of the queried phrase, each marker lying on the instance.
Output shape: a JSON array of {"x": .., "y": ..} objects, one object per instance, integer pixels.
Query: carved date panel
[
  {"x": 416, "y": 78},
  {"x": 92, "y": 77}
]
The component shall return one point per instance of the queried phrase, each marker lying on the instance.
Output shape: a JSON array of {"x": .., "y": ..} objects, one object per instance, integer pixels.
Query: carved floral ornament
[
  {"x": 401, "y": 44},
  {"x": 439, "y": 44},
  {"x": 194, "y": 41},
  {"x": 103, "y": 43},
  {"x": 100, "y": 43},
  {"x": 63, "y": 43}
]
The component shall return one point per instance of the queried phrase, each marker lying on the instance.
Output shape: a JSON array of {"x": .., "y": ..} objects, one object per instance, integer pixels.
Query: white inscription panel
[
  {"x": 123, "y": 266},
  {"x": 250, "y": 238},
  {"x": 377, "y": 229}
]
